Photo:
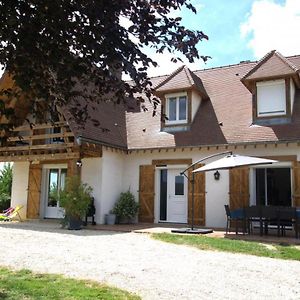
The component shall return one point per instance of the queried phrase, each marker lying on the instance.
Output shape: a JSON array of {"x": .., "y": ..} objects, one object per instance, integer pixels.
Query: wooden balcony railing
[{"x": 26, "y": 142}]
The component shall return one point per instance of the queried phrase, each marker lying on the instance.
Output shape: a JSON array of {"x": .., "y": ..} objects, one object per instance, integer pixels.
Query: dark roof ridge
[{"x": 219, "y": 67}]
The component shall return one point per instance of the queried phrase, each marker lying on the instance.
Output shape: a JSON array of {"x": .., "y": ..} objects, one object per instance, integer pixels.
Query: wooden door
[
  {"x": 296, "y": 183},
  {"x": 34, "y": 191},
  {"x": 199, "y": 197},
  {"x": 239, "y": 187},
  {"x": 146, "y": 194}
]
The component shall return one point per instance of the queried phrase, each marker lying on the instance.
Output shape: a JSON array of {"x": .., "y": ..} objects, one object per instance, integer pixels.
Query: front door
[
  {"x": 173, "y": 196},
  {"x": 55, "y": 182}
]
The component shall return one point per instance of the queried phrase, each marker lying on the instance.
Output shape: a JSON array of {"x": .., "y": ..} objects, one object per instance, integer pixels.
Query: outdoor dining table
[{"x": 257, "y": 215}]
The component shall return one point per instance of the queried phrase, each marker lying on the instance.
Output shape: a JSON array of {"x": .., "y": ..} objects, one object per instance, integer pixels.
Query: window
[
  {"x": 273, "y": 186},
  {"x": 271, "y": 98},
  {"x": 179, "y": 185},
  {"x": 176, "y": 109}
]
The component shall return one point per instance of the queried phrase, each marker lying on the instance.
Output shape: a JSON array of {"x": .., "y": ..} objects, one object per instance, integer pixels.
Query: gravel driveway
[{"x": 152, "y": 269}]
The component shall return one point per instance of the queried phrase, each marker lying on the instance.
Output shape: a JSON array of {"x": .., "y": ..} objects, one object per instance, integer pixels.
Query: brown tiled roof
[
  {"x": 182, "y": 78},
  {"x": 271, "y": 65},
  {"x": 225, "y": 118},
  {"x": 111, "y": 129},
  {"x": 230, "y": 104}
]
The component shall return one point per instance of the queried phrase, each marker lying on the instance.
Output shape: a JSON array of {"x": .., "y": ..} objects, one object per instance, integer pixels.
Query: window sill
[
  {"x": 176, "y": 128},
  {"x": 272, "y": 121}
]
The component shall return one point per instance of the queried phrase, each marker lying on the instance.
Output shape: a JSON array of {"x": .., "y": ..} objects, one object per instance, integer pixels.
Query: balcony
[{"x": 39, "y": 142}]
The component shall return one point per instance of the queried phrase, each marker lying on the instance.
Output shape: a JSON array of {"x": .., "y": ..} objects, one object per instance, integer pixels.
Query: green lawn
[
  {"x": 233, "y": 246},
  {"x": 24, "y": 284}
]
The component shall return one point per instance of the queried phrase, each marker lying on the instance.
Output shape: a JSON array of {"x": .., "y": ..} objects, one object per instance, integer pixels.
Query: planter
[
  {"x": 110, "y": 219},
  {"x": 74, "y": 224},
  {"x": 127, "y": 220}
]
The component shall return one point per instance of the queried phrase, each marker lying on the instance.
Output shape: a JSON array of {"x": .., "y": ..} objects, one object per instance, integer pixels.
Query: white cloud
[
  {"x": 273, "y": 26},
  {"x": 165, "y": 66}
]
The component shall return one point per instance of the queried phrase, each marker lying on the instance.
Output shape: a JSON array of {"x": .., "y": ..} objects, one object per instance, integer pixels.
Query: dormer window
[
  {"x": 271, "y": 98},
  {"x": 177, "y": 108}
]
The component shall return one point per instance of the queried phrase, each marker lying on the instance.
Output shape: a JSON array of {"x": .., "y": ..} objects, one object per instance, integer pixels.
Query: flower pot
[
  {"x": 110, "y": 219},
  {"x": 74, "y": 224},
  {"x": 127, "y": 220}
]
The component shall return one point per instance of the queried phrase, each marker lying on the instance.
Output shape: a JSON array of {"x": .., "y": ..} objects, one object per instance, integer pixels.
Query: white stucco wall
[
  {"x": 292, "y": 88},
  {"x": 91, "y": 173},
  {"x": 217, "y": 191},
  {"x": 20, "y": 186},
  {"x": 217, "y": 195},
  {"x": 112, "y": 178},
  {"x": 196, "y": 101}
]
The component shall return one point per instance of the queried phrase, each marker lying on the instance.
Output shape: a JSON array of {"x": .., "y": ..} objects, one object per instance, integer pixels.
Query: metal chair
[
  {"x": 253, "y": 214},
  {"x": 234, "y": 215},
  {"x": 288, "y": 217},
  {"x": 269, "y": 215}
]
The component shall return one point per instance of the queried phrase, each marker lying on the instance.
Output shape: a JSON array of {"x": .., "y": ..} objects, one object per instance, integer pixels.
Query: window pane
[
  {"x": 163, "y": 195},
  {"x": 260, "y": 187},
  {"x": 179, "y": 185},
  {"x": 53, "y": 188},
  {"x": 182, "y": 108},
  {"x": 63, "y": 175},
  {"x": 172, "y": 109}
]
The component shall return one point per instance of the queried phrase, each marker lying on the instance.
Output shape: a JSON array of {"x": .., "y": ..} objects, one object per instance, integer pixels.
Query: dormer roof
[
  {"x": 181, "y": 79},
  {"x": 272, "y": 65}
]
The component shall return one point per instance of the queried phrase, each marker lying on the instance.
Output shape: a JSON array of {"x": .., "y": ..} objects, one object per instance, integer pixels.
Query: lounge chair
[{"x": 11, "y": 213}]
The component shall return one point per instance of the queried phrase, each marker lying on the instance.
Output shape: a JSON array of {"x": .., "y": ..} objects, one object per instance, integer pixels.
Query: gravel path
[{"x": 152, "y": 269}]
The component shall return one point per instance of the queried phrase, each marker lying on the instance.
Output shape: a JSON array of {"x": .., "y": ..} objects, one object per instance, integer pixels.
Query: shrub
[
  {"x": 5, "y": 186},
  {"x": 75, "y": 198},
  {"x": 126, "y": 206}
]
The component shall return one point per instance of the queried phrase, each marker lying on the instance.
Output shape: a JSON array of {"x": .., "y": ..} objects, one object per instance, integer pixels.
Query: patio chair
[
  {"x": 234, "y": 215},
  {"x": 11, "y": 213},
  {"x": 287, "y": 218},
  {"x": 253, "y": 214},
  {"x": 269, "y": 216}
]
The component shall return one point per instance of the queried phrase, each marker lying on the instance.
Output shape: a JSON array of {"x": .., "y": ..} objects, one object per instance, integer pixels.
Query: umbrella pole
[{"x": 192, "y": 181}]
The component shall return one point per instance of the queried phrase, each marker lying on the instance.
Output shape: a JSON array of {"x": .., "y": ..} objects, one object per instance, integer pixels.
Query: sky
[{"x": 239, "y": 30}]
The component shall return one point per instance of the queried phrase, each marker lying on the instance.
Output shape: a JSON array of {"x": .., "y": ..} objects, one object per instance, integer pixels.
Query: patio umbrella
[
  {"x": 233, "y": 161},
  {"x": 228, "y": 162}
]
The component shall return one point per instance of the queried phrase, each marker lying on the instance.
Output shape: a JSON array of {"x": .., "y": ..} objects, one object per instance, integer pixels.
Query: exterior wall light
[
  {"x": 79, "y": 163},
  {"x": 217, "y": 175}
]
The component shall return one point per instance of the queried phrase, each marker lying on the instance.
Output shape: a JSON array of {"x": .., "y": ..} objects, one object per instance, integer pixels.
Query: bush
[
  {"x": 5, "y": 186},
  {"x": 126, "y": 206},
  {"x": 75, "y": 198}
]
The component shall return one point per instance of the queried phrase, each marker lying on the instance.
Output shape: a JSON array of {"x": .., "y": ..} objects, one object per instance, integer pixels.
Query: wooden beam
[
  {"x": 187, "y": 161},
  {"x": 40, "y": 136},
  {"x": 40, "y": 157},
  {"x": 40, "y": 126},
  {"x": 37, "y": 147}
]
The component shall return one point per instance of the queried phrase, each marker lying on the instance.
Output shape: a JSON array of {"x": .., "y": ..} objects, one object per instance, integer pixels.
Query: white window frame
[
  {"x": 271, "y": 83},
  {"x": 177, "y": 96}
]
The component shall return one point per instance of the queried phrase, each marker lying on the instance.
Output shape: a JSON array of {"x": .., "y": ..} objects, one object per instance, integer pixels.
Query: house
[{"x": 251, "y": 108}]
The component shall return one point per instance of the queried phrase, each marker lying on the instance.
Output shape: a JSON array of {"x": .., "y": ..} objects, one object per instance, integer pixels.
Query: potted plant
[
  {"x": 126, "y": 208},
  {"x": 75, "y": 200},
  {"x": 110, "y": 218}
]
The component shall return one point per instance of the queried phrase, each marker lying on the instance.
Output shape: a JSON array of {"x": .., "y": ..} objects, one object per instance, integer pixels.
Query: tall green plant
[
  {"x": 126, "y": 206},
  {"x": 5, "y": 186},
  {"x": 75, "y": 198}
]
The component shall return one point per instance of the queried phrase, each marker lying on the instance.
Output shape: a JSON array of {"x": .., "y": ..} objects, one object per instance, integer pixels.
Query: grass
[
  {"x": 26, "y": 285},
  {"x": 233, "y": 246}
]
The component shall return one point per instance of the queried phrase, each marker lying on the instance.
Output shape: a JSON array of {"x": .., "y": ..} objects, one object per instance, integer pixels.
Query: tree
[
  {"x": 5, "y": 186},
  {"x": 59, "y": 51}
]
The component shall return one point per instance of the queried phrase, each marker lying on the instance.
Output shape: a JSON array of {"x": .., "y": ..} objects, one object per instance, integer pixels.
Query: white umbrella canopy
[{"x": 233, "y": 161}]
